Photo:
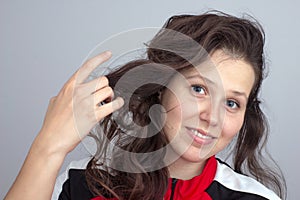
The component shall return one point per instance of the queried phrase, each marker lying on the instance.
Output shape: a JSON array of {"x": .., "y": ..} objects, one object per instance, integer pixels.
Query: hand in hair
[
  {"x": 70, "y": 117},
  {"x": 75, "y": 110}
]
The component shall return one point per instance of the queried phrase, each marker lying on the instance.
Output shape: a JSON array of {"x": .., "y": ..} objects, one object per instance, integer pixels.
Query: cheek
[
  {"x": 174, "y": 117},
  {"x": 231, "y": 127},
  {"x": 180, "y": 110},
  {"x": 173, "y": 122}
]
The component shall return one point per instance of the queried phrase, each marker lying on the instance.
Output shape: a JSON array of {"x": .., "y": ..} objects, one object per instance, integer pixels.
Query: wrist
[{"x": 44, "y": 146}]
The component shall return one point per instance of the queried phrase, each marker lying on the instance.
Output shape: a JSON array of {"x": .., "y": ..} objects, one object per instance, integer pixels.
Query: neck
[{"x": 184, "y": 169}]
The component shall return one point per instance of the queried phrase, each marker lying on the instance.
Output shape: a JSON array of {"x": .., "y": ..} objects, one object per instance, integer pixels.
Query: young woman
[{"x": 162, "y": 120}]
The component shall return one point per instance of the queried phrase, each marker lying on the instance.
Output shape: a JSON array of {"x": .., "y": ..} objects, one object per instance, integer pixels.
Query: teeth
[{"x": 196, "y": 133}]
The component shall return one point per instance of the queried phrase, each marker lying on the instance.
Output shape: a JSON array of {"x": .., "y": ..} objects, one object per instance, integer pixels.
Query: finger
[
  {"x": 98, "y": 84},
  {"x": 90, "y": 88},
  {"x": 90, "y": 65},
  {"x": 109, "y": 108},
  {"x": 104, "y": 95}
]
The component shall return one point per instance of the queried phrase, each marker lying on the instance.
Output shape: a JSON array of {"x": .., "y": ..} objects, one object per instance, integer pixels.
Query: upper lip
[{"x": 201, "y": 131}]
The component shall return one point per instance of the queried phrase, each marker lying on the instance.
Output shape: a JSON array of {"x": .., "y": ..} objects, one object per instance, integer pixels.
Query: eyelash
[
  {"x": 236, "y": 103},
  {"x": 233, "y": 101},
  {"x": 199, "y": 86}
]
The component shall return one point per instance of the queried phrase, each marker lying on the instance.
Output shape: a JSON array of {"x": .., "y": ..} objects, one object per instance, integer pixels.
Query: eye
[
  {"x": 232, "y": 104},
  {"x": 198, "y": 89}
]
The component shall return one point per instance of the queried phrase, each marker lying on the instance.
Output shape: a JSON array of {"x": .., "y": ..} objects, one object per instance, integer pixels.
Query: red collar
[{"x": 193, "y": 188}]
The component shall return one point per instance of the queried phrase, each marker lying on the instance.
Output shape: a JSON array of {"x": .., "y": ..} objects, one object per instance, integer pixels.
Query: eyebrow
[
  {"x": 238, "y": 93},
  {"x": 201, "y": 77},
  {"x": 235, "y": 92}
]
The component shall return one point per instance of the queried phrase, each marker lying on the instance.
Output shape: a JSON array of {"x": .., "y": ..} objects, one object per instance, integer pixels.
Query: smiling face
[{"x": 206, "y": 108}]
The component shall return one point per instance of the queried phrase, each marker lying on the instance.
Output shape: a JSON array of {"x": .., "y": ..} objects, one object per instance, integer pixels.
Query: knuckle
[
  {"x": 52, "y": 99},
  {"x": 68, "y": 87}
]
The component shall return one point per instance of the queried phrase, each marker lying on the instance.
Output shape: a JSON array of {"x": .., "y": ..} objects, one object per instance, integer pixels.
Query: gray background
[{"x": 43, "y": 42}]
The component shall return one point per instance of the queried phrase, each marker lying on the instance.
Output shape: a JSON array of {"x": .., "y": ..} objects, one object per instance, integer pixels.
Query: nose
[{"x": 209, "y": 112}]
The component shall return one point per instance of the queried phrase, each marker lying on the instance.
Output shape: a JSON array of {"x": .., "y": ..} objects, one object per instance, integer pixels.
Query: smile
[{"x": 200, "y": 136}]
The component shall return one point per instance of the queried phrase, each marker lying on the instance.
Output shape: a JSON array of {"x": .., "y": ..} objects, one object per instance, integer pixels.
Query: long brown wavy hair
[{"x": 113, "y": 173}]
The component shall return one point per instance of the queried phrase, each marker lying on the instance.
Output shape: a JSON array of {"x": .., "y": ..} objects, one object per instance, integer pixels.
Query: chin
[{"x": 195, "y": 155}]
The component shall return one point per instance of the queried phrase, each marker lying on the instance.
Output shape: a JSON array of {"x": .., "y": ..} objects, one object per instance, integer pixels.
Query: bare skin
[
  {"x": 220, "y": 120},
  {"x": 75, "y": 111},
  {"x": 63, "y": 129}
]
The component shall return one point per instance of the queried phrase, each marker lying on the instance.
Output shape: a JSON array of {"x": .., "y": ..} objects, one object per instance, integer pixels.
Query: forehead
[{"x": 224, "y": 71}]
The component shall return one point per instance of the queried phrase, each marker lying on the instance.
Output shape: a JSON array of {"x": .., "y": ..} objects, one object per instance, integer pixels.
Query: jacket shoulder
[{"x": 238, "y": 186}]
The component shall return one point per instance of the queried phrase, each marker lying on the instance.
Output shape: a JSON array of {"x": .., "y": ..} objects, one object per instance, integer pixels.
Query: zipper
[{"x": 174, "y": 182}]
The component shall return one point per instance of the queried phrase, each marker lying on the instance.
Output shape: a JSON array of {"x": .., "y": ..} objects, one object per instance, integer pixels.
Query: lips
[{"x": 200, "y": 136}]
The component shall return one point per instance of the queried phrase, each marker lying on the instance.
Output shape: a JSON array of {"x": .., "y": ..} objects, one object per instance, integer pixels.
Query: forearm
[{"x": 37, "y": 176}]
